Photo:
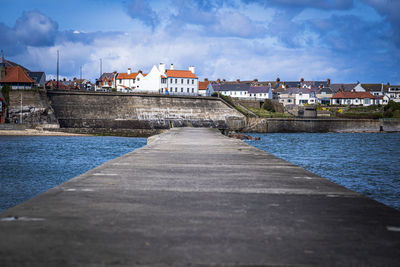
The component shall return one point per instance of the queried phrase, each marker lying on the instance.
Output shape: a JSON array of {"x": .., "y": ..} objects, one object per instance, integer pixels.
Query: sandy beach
[{"x": 35, "y": 132}]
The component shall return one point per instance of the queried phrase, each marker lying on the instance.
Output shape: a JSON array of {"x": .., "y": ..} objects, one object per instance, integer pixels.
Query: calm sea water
[
  {"x": 32, "y": 165},
  {"x": 368, "y": 163}
]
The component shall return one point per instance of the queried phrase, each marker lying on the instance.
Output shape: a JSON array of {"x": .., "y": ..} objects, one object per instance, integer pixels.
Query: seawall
[
  {"x": 320, "y": 125},
  {"x": 136, "y": 115}
]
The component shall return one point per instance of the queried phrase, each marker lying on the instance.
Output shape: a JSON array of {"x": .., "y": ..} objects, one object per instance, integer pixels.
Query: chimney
[
  {"x": 237, "y": 80},
  {"x": 219, "y": 80},
  {"x": 388, "y": 84},
  {"x": 192, "y": 69},
  {"x": 171, "y": 67},
  {"x": 255, "y": 80},
  {"x": 329, "y": 82},
  {"x": 140, "y": 71},
  {"x": 342, "y": 88},
  {"x": 223, "y": 80},
  {"x": 129, "y": 71},
  {"x": 278, "y": 80},
  {"x": 206, "y": 79},
  {"x": 302, "y": 80},
  {"x": 161, "y": 68}
]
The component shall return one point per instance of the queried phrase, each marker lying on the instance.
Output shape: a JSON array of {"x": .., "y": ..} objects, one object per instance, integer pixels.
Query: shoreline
[{"x": 35, "y": 132}]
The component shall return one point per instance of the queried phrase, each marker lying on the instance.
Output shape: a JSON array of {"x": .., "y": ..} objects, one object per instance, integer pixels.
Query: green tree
[{"x": 268, "y": 105}]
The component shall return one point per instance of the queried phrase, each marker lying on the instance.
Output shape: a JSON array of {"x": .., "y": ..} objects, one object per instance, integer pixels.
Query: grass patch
[{"x": 268, "y": 114}]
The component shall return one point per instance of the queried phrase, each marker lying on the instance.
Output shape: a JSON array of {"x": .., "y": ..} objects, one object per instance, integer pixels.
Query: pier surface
[{"x": 195, "y": 197}]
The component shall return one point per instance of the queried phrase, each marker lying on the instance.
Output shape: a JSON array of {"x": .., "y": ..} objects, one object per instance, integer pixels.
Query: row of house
[
  {"x": 158, "y": 81},
  {"x": 307, "y": 92},
  {"x": 74, "y": 84}
]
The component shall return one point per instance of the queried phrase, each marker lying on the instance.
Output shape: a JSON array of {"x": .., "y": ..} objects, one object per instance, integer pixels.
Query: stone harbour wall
[
  {"x": 140, "y": 114},
  {"x": 36, "y": 110}
]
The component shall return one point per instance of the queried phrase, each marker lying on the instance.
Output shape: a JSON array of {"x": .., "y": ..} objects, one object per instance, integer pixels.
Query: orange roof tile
[
  {"x": 203, "y": 85},
  {"x": 127, "y": 76},
  {"x": 16, "y": 75},
  {"x": 180, "y": 74},
  {"x": 359, "y": 95}
]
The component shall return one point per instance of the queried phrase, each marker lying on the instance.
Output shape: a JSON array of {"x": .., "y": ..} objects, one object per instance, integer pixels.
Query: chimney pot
[
  {"x": 129, "y": 71},
  {"x": 206, "y": 79},
  {"x": 238, "y": 80},
  {"x": 171, "y": 67},
  {"x": 223, "y": 80}
]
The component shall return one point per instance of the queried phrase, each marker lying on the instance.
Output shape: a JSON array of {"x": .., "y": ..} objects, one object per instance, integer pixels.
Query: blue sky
[{"x": 344, "y": 40}]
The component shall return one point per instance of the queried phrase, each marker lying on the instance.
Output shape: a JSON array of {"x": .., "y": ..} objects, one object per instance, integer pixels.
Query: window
[
  {"x": 188, "y": 90},
  {"x": 138, "y": 79},
  {"x": 176, "y": 89},
  {"x": 176, "y": 80},
  {"x": 181, "y": 90},
  {"x": 192, "y": 90},
  {"x": 367, "y": 101},
  {"x": 163, "y": 80},
  {"x": 170, "y": 89},
  {"x": 188, "y": 81},
  {"x": 181, "y": 81},
  {"x": 171, "y": 80}
]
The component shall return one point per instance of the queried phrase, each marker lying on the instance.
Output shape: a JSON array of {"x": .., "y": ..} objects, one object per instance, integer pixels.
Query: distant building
[
  {"x": 203, "y": 88},
  {"x": 182, "y": 82},
  {"x": 39, "y": 77},
  {"x": 16, "y": 78},
  {"x": 394, "y": 93},
  {"x": 107, "y": 81},
  {"x": 355, "y": 98},
  {"x": 298, "y": 96}
]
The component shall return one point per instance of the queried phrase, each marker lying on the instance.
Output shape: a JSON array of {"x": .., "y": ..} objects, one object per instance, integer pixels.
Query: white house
[
  {"x": 355, "y": 98},
  {"x": 298, "y": 96},
  {"x": 126, "y": 82},
  {"x": 180, "y": 82},
  {"x": 394, "y": 93}
]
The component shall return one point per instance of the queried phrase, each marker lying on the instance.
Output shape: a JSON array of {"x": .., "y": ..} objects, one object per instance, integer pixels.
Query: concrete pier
[{"x": 195, "y": 197}]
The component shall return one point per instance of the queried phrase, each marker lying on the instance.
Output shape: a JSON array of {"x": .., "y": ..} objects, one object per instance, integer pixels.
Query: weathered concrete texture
[
  {"x": 320, "y": 125},
  {"x": 195, "y": 197},
  {"x": 107, "y": 112},
  {"x": 36, "y": 109}
]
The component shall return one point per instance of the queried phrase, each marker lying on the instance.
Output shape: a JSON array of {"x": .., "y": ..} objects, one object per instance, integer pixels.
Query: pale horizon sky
[{"x": 344, "y": 40}]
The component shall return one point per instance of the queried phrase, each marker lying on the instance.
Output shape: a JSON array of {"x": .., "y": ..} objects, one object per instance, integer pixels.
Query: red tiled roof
[
  {"x": 180, "y": 74},
  {"x": 358, "y": 95},
  {"x": 16, "y": 75},
  {"x": 127, "y": 76},
  {"x": 203, "y": 85}
]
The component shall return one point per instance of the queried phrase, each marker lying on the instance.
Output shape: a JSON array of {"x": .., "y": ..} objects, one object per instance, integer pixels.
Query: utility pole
[
  {"x": 58, "y": 68},
  {"x": 20, "y": 115},
  {"x": 80, "y": 80}
]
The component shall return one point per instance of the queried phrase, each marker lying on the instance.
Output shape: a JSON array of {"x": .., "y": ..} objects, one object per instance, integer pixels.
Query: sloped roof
[
  {"x": 180, "y": 74},
  {"x": 375, "y": 87},
  {"x": 359, "y": 95},
  {"x": 346, "y": 86},
  {"x": 327, "y": 90},
  {"x": 231, "y": 87},
  {"x": 36, "y": 75},
  {"x": 258, "y": 89},
  {"x": 108, "y": 75},
  {"x": 128, "y": 76},
  {"x": 296, "y": 90},
  {"x": 203, "y": 85},
  {"x": 16, "y": 75},
  {"x": 9, "y": 64}
]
